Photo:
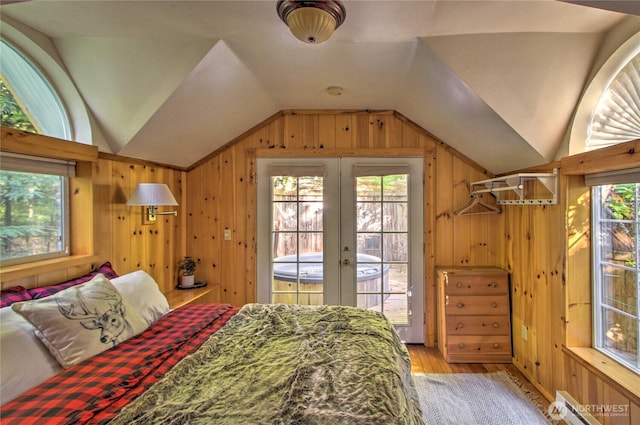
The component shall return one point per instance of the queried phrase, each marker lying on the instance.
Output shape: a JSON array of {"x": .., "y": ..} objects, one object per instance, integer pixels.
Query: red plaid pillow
[
  {"x": 45, "y": 291},
  {"x": 13, "y": 295}
]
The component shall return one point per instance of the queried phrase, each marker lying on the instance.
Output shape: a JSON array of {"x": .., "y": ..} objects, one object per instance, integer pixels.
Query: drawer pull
[
  {"x": 461, "y": 345},
  {"x": 495, "y": 325},
  {"x": 493, "y": 285},
  {"x": 496, "y": 345},
  {"x": 460, "y": 326},
  {"x": 460, "y": 305},
  {"x": 494, "y": 305},
  {"x": 459, "y": 285}
]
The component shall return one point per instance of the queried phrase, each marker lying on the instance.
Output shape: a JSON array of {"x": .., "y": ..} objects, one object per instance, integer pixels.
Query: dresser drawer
[
  {"x": 479, "y": 344},
  {"x": 477, "y": 305},
  {"x": 474, "y": 315},
  {"x": 464, "y": 284},
  {"x": 478, "y": 325}
]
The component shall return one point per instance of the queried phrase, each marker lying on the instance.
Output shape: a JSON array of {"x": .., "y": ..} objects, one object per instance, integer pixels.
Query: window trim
[
  {"x": 46, "y": 59},
  {"x": 607, "y": 71},
  {"x": 65, "y": 232},
  {"x": 44, "y": 166},
  {"x": 81, "y": 200},
  {"x": 596, "y": 181},
  {"x": 33, "y": 90},
  {"x": 577, "y": 313}
]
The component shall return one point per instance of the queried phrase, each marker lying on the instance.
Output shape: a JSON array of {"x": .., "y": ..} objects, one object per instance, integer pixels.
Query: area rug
[{"x": 477, "y": 399}]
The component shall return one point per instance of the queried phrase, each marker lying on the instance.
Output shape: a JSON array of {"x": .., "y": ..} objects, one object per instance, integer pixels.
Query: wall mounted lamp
[
  {"x": 312, "y": 22},
  {"x": 151, "y": 196}
]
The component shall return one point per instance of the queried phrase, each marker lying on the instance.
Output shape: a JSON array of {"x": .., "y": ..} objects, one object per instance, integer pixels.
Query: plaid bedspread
[{"x": 94, "y": 391}]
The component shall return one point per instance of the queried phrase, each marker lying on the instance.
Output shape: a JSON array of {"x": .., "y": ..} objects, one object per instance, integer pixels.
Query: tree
[
  {"x": 11, "y": 114},
  {"x": 28, "y": 202},
  {"x": 29, "y": 209}
]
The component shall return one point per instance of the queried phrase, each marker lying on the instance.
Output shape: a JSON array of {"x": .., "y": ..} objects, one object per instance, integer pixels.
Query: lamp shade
[
  {"x": 312, "y": 22},
  {"x": 311, "y": 25},
  {"x": 152, "y": 194}
]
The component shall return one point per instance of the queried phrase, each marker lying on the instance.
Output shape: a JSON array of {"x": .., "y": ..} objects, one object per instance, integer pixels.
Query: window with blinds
[{"x": 33, "y": 208}]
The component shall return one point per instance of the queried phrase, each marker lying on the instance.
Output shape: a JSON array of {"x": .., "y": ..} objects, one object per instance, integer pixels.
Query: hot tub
[{"x": 370, "y": 272}]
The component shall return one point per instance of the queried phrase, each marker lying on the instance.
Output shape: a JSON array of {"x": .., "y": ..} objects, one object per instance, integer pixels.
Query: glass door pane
[
  {"x": 382, "y": 245},
  {"x": 297, "y": 235},
  {"x": 382, "y": 240}
]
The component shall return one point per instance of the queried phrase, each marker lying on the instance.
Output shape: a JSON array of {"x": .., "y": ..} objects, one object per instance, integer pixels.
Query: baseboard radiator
[{"x": 570, "y": 411}]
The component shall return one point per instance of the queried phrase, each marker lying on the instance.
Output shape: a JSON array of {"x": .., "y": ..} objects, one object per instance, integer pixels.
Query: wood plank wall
[
  {"x": 548, "y": 253},
  {"x": 530, "y": 241},
  {"x": 120, "y": 235},
  {"x": 222, "y": 195},
  {"x": 535, "y": 249}
]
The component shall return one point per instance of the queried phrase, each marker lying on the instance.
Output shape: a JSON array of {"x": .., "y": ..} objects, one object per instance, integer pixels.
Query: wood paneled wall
[
  {"x": 120, "y": 235},
  {"x": 535, "y": 257},
  {"x": 548, "y": 253},
  {"x": 222, "y": 195},
  {"x": 103, "y": 228},
  {"x": 533, "y": 243}
]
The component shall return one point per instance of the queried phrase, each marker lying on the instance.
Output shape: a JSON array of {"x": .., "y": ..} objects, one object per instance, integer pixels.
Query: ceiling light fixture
[
  {"x": 312, "y": 22},
  {"x": 335, "y": 90}
]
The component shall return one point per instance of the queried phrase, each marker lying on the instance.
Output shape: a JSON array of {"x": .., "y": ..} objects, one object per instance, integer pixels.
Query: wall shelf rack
[{"x": 521, "y": 188}]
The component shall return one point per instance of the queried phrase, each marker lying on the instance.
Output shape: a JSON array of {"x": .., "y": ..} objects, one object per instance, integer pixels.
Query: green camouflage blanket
[{"x": 288, "y": 364}]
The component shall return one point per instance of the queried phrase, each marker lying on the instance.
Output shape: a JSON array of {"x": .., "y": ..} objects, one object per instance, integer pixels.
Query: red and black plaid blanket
[{"x": 95, "y": 390}]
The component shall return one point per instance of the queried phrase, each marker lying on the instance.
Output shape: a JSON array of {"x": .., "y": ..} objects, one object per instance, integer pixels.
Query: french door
[{"x": 343, "y": 231}]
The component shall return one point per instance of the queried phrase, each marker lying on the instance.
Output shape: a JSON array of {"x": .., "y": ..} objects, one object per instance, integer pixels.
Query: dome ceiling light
[
  {"x": 312, "y": 22},
  {"x": 335, "y": 90}
]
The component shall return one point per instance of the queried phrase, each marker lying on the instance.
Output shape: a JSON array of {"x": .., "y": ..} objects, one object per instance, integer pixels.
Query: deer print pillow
[{"x": 82, "y": 321}]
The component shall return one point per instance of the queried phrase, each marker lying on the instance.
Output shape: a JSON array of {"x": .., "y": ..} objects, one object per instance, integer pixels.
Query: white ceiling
[{"x": 172, "y": 81}]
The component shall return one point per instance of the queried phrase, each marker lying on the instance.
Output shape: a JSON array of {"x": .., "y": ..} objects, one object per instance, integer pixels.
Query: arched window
[
  {"x": 34, "y": 191},
  {"x": 27, "y": 99},
  {"x": 616, "y": 118}
]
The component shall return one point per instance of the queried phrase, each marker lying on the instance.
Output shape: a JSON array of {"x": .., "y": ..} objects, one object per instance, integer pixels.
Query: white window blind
[
  {"x": 37, "y": 165},
  {"x": 297, "y": 170},
  {"x": 380, "y": 170},
  {"x": 615, "y": 119},
  {"x": 631, "y": 175}
]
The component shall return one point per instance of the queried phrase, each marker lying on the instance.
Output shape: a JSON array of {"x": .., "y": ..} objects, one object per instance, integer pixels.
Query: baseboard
[{"x": 545, "y": 392}]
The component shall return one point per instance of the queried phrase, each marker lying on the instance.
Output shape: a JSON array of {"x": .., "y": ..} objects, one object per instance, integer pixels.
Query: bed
[{"x": 209, "y": 364}]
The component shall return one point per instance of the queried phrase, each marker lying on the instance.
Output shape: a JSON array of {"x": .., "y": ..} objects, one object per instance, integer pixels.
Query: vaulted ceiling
[{"x": 172, "y": 81}]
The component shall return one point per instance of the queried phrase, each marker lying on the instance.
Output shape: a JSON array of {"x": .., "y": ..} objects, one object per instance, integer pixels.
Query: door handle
[{"x": 346, "y": 262}]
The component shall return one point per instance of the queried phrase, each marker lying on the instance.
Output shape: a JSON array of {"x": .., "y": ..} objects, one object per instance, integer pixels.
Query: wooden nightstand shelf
[{"x": 181, "y": 297}]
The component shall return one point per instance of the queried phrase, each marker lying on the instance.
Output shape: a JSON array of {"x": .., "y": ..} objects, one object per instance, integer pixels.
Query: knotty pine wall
[
  {"x": 120, "y": 235},
  {"x": 103, "y": 228},
  {"x": 548, "y": 255},
  {"x": 535, "y": 257},
  {"x": 221, "y": 194},
  {"x": 532, "y": 242}
]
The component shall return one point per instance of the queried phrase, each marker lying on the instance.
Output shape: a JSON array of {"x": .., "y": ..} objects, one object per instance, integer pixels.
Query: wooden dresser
[{"x": 474, "y": 316}]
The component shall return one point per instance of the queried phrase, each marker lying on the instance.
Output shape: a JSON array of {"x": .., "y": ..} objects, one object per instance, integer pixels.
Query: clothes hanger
[{"x": 474, "y": 202}]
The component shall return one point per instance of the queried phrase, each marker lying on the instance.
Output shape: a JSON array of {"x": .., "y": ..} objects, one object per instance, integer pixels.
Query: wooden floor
[{"x": 430, "y": 360}]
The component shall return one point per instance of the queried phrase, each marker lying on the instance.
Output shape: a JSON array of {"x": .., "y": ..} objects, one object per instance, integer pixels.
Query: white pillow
[
  {"x": 143, "y": 294},
  {"x": 24, "y": 361},
  {"x": 82, "y": 321}
]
